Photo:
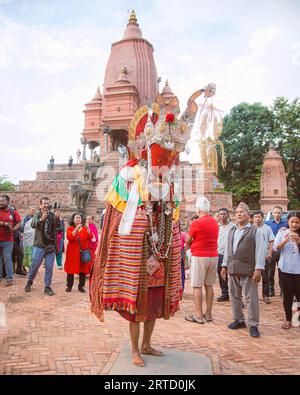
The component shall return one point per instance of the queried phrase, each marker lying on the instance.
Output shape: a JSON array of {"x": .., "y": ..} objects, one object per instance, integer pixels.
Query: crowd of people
[
  {"x": 241, "y": 253},
  {"x": 238, "y": 253},
  {"x": 40, "y": 237}
]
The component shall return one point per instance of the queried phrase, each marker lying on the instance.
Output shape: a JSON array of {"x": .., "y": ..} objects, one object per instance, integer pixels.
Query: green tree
[
  {"x": 246, "y": 133},
  {"x": 286, "y": 138},
  {"x": 5, "y": 184}
]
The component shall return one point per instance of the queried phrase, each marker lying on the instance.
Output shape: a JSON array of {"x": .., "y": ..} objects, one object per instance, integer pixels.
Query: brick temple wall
[
  {"x": 56, "y": 183},
  {"x": 45, "y": 187},
  {"x": 59, "y": 175},
  {"x": 24, "y": 200},
  {"x": 217, "y": 201}
]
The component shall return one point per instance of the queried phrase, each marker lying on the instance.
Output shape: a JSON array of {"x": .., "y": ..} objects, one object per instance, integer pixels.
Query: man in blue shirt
[{"x": 276, "y": 224}]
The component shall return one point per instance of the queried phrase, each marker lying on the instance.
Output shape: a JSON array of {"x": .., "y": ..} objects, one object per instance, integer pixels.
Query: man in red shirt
[
  {"x": 203, "y": 240},
  {"x": 10, "y": 220}
]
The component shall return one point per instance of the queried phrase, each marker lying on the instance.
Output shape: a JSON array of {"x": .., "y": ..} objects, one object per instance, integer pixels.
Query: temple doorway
[{"x": 118, "y": 137}]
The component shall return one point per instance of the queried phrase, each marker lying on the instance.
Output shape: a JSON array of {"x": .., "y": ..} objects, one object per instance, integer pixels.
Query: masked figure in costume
[{"x": 137, "y": 267}]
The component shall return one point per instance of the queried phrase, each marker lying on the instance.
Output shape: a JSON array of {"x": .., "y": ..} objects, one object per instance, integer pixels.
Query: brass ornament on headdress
[{"x": 171, "y": 136}]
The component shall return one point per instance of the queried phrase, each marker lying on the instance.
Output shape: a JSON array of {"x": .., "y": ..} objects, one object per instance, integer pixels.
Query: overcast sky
[{"x": 53, "y": 55}]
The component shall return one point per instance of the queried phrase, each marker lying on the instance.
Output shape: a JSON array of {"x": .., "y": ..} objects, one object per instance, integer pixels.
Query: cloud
[
  {"x": 63, "y": 112},
  {"x": 52, "y": 50},
  {"x": 52, "y": 127},
  {"x": 4, "y": 121},
  {"x": 261, "y": 39}
]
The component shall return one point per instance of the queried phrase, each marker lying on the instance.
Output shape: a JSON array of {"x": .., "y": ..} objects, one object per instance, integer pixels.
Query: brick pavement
[{"x": 58, "y": 335}]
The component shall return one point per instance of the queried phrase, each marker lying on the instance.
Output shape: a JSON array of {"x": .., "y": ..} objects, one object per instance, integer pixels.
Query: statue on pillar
[
  {"x": 51, "y": 163},
  {"x": 78, "y": 155},
  {"x": 70, "y": 162}
]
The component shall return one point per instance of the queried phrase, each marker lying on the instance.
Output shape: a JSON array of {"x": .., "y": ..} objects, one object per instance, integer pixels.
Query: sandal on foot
[
  {"x": 192, "y": 318},
  {"x": 286, "y": 325},
  {"x": 207, "y": 319}
]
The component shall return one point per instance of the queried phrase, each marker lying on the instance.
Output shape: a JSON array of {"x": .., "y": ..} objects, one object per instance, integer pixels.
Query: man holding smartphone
[{"x": 46, "y": 225}]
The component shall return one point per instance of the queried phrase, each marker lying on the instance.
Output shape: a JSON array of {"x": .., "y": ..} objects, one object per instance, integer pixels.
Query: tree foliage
[
  {"x": 5, "y": 184},
  {"x": 244, "y": 136},
  {"x": 287, "y": 140},
  {"x": 248, "y": 132}
]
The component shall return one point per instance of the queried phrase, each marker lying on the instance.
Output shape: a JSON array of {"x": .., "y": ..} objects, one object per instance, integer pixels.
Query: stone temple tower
[
  {"x": 273, "y": 183},
  {"x": 130, "y": 82}
]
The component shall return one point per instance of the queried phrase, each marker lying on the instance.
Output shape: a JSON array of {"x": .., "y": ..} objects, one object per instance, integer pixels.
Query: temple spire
[
  {"x": 167, "y": 91},
  {"x": 132, "y": 18},
  {"x": 123, "y": 77},
  {"x": 98, "y": 95},
  {"x": 132, "y": 30}
]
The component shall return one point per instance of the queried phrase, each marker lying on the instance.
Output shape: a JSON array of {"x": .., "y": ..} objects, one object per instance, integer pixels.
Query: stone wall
[
  {"x": 59, "y": 175},
  {"x": 217, "y": 201},
  {"x": 24, "y": 200},
  {"x": 45, "y": 187},
  {"x": 55, "y": 185}
]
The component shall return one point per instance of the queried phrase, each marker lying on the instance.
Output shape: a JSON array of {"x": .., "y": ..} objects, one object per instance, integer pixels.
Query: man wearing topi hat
[{"x": 244, "y": 260}]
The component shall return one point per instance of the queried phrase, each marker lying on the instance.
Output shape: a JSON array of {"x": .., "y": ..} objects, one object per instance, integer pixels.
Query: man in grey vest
[{"x": 244, "y": 260}]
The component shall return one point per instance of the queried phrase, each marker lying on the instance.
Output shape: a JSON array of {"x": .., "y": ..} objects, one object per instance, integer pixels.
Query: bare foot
[
  {"x": 152, "y": 351},
  {"x": 137, "y": 359}
]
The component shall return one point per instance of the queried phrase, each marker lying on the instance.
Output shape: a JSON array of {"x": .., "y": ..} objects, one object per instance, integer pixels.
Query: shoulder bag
[{"x": 85, "y": 255}]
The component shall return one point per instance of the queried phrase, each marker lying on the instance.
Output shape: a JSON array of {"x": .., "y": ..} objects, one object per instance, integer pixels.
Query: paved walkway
[{"x": 58, "y": 335}]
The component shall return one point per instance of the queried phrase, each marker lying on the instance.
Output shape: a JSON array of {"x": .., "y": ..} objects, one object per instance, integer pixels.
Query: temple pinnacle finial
[
  {"x": 98, "y": 95},
  {"x": 167, "y": 91},
  {"x": 133, "y": 18}
]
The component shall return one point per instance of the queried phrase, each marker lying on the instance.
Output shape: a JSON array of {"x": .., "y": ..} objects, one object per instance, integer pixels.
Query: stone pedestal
[{"x": 175, "y": 362}]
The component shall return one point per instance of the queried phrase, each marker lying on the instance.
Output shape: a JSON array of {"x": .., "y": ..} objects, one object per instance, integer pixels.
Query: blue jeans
[
  {"x": 37, "y": 258},
  {"x": 6, "y": 248}
]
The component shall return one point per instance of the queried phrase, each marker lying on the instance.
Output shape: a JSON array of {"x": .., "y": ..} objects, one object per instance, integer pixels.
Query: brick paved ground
[{"x": 58, "y": 335}]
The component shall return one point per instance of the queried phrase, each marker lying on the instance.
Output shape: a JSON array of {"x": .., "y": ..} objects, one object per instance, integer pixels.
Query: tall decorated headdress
[
  {"x": 154, "y": 136},
  {"x": 152, "y": 125}
]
